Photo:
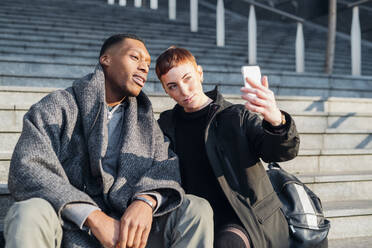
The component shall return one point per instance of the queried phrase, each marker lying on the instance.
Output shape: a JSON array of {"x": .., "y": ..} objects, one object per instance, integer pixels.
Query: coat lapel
[{"x": 90, "y": 96}]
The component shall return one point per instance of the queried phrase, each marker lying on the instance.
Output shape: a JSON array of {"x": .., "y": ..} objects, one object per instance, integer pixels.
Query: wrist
[
  {"x": 146, "y": 199},
  {"x": 279, "y": 121},
  {"x": 92, "y": 218}
]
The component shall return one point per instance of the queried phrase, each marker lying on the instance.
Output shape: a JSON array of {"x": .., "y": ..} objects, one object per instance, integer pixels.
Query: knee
[
  {"x": 32, "y": 211},
  {"x": 232, "y": 235},
  {"x": 198, "y": 208}
]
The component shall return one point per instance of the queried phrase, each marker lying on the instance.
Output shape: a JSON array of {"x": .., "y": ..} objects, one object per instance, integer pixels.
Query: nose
[
  {"x": 184, "y": 89},
  {"x": 143, "y": 66}
]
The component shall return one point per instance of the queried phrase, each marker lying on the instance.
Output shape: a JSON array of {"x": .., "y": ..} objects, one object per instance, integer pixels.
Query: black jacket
[{"x": 235, "y": 140}]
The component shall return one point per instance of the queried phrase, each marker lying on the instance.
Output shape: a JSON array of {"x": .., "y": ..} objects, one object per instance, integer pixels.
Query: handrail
[
  {"x": 358, "y": 3},
  {"x": 350, "y": 5},
  {"x": 276, "y": 11}
]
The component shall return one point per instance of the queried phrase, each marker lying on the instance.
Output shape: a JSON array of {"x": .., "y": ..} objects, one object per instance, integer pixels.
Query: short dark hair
[{"x": 115, "y": 39}]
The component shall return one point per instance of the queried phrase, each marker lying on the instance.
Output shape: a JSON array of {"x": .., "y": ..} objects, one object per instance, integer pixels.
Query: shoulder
[
  {"x": 229, "y": 108},
  {"x": 54, "y": 104},
  {"x": 165, "y": 118},
  {"x": 237, "y": 114}
]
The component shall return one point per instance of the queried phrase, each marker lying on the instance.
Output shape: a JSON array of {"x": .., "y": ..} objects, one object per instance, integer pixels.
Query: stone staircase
[
  {"x": 47, "y": 44},
  {"x": 339, "y": 174}
]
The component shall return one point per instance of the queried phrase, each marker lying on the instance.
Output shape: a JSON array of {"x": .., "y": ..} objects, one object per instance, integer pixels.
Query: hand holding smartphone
[{"x": 252, "y": 72}]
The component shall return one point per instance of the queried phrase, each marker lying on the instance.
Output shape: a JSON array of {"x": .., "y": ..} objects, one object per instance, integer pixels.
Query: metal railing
[
  {"x": 252, "y": 27},
  {"x": 355, "y": 36},
  {"x": 252, "y": 34}
]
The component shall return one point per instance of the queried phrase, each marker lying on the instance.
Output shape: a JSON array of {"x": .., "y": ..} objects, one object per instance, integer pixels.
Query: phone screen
[{"x": 252, "y": 72}]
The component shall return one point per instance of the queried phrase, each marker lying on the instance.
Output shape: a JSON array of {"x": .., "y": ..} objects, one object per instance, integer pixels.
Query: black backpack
[{"x": 302, "y": 208}]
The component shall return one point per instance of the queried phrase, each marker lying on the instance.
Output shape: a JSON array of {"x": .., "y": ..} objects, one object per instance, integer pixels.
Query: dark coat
[{"x": 235, "y": 140}]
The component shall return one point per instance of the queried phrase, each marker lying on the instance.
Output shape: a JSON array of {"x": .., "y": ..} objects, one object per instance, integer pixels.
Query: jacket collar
[
  {"x": 168, "y": 120},
  {"x": 90, "y": 96}
]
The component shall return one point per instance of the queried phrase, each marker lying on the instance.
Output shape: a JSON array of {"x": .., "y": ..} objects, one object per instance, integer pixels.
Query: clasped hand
[
  {"x": 132, "y": 230},
  {"x": 261, "y": 99}
]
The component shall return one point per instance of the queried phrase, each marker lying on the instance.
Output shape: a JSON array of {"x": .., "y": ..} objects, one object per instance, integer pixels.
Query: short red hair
[{"x": 172, "y": 57}]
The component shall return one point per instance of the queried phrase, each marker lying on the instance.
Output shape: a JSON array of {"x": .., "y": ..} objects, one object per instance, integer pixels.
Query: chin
[{"x": 133, "y": 92}]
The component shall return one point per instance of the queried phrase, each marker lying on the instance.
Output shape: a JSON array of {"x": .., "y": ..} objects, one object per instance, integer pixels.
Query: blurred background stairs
[{"x": 46, "y": 44}]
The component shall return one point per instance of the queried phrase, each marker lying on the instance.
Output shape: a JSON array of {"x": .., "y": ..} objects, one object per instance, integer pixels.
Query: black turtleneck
[{"x": 196, "y": 172}]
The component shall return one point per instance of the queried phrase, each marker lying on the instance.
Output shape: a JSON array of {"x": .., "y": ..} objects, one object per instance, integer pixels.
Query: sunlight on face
[{"x": 184, "y": 84}]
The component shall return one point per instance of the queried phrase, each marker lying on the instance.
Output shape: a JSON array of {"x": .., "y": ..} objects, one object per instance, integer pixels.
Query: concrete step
[
  {"x": 340, "y": 163},
  {"x": 266, "y": 61},
  {"x": 360, "y": 242},
  {"x": 329, "y": 140},
  {"x": 212, "y": 24},
  {"x": 329, "y": 186},
  {"x": 74, "y": 36},
  {"x": 68, "y": 57},
  {"x": 268, "y": 53},
  {"x": 346, "y": 185},
  {"x": 10, "y": 99},
  {"x": 323, "y": 161},
  {"x": 349, "y": 219},
  {"x": 129, "y": 14},
  {"x": 337, "y": 139},
  {"x": 229, "y": 29},
  {"x": 209, "y": 20},
  {"x": 69, "y": 34},
  {"x": 306, "y": 122},
  {"x": 229, "y": 79}
]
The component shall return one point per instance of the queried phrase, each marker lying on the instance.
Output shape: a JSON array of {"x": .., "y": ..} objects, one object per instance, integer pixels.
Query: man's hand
[
  {"x": 135, "y": 224},
  {"x": 104, "y": 228},
  {"x": 261, "y": 99}
]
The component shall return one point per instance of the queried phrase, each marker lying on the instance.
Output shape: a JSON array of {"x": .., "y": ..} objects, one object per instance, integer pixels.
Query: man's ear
[
  {"x": 200, "y": 71},
  {"x": 105, "y": 60}
]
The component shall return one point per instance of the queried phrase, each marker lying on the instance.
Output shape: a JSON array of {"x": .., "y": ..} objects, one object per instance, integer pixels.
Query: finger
[
  {"x": 132, "y": 232},
  {"x": 265, "y": 82},
  {"x": 259, "y": 93},
  {"x": 123, "y": 234},
  {"x": 248, "y": 90},
  {"x": 144, "y": 238},
  {"x": 254, "y": 108},
  {"x": 263, "y": 86},
  {"x": 255, "y": 100},
  {"x": 138, "y": 237},
  {"x": 252, "y": 83}
]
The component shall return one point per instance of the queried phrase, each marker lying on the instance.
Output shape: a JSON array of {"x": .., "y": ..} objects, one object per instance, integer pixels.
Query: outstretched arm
[{"x": 275, "y": 138}]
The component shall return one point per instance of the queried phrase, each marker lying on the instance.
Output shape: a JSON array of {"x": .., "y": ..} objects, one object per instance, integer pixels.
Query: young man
[
  {"x": 220, "y": 145},
  {"x": 92, "y": 169}
]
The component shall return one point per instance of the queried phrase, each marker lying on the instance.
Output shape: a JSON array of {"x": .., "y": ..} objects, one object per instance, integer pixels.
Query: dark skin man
[{"x": 126, "y": 66}]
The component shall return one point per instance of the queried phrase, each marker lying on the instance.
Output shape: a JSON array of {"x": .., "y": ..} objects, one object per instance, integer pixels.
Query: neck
[
  {"x": 112, "y": 104},
  {"x": 113, "y": 97},
  {"x": 205, "y": 101}
]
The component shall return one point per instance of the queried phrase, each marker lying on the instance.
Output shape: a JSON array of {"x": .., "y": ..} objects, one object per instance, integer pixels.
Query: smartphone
[{"x": 252, "y": 72}]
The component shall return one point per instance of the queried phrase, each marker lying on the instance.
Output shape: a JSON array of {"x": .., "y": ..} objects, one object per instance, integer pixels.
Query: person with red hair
[{"x": 220, "y": 144}]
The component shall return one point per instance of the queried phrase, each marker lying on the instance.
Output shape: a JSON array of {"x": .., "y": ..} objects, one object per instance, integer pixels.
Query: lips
[
  {"x": 140, "y": 80},
  {"x": 189, "y": 99}
]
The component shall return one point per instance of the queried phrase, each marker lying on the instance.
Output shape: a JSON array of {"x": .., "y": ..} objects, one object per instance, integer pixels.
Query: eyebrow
[
  {"x": 141, "y": 53},
  {"x": 171, "y": 83},
  {"x": 187, "y": 73}
]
